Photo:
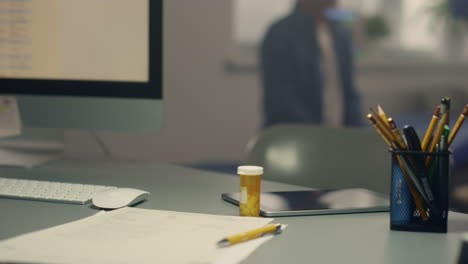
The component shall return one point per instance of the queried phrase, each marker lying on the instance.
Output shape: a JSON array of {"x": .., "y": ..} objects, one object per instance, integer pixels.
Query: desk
[{"x": 353, "y": 238}]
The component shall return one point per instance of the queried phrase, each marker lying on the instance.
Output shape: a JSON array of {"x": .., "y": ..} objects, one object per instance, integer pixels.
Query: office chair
[{"x": 321, "y": 157}]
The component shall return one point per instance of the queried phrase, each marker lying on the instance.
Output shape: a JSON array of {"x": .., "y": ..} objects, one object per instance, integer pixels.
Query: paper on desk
[
  {"x": 239, "y": 252},
  {"x": 132, "y": 235}
]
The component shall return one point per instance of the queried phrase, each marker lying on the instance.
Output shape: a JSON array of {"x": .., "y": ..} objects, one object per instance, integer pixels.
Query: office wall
[{"x": 209, "y": 115}]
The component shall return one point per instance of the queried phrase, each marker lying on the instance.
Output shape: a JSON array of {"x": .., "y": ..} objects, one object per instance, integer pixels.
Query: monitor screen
[{"x": 83, "y": 64}]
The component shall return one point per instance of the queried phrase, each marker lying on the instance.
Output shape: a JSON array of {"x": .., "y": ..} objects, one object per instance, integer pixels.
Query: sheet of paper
[
  {"x": 132, "y": 235},
  {"x": 239, "y": 252}
]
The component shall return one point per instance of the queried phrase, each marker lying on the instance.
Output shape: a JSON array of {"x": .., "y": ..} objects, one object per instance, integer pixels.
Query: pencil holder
[{"x": 419, "y": 191}]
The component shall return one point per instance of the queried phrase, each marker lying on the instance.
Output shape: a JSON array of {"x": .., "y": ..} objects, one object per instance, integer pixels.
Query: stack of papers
[{"x": 132, "y": 235}]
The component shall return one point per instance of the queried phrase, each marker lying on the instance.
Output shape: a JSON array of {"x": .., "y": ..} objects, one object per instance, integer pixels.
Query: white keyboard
[{"x": 49, "y": 191}]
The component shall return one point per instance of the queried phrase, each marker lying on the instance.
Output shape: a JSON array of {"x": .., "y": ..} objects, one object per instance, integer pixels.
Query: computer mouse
[{"x": 119, "y": 197}]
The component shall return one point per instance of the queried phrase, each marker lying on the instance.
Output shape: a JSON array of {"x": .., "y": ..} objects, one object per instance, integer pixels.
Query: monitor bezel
[{"x": 152, "y": 89}]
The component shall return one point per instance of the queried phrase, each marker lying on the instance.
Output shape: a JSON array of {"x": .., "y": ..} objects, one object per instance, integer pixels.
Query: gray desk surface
[{"x": 353, "y": 238}]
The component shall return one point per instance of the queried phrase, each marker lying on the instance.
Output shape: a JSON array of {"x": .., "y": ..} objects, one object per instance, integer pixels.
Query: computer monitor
[{"x": 93, "y": 65}]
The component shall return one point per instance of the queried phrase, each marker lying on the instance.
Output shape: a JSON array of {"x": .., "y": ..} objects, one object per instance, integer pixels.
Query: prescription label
[{"x": 243, "y": 195}]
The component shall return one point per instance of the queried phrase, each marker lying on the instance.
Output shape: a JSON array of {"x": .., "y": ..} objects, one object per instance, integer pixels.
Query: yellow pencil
[
  {"x": 249, "y": 235},
  {"x": 436, "y": 139},
  {"x": 382, "y": 115},
  {"x": 373, "y": 122},
  {"x": 385, "y": 128},
  {"x": 396, "y": 132},
  {"x": 430, "y": 129},
  {"x": 416, "y": 198},
  {"x": 458, "y": 124}
]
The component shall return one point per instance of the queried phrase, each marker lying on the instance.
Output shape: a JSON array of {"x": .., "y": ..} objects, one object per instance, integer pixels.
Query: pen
[
  {"x": 433, "y": 171},
  {"x": 435, "y": 166},
  {"x": 418, "y": 160},
  {"x": 458, "y": 124},
  {"x": 445, "y": 102},
  {"x": 249, "y": 235},
  {"x": 414, "y": 193},
  {"x": 441, "y": 181},
  {"x": 405, "y": 166},
  {"x": 444, "y": 139},
  {"x": 430, "y": 129}
]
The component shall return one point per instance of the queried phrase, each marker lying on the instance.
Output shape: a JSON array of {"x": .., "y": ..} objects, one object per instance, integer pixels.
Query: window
[{"x": 412, "y": 23}]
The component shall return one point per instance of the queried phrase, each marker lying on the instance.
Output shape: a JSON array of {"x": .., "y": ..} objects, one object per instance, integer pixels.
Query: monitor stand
[
  {"x": 32, "y": 148},
  {"x": 25, "y": 147}
]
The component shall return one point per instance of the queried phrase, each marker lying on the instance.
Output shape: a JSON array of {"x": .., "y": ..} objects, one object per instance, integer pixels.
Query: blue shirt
[{"x": 459, "y": 8}]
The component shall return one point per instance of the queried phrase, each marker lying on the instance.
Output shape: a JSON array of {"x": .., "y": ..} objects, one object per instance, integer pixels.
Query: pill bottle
[{"x": 250, "y": 181}]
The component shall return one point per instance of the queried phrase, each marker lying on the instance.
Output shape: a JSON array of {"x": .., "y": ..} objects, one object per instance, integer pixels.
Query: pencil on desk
[
  {"x": 249, "y": 235},
  {"x": 458, "y": 124},
  {"x": 430, "y": 129}
]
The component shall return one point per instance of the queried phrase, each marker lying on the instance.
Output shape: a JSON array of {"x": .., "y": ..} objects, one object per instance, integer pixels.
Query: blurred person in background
[
  {"x": 307, "y": 69},
  {"x": 459, "y": 8}
]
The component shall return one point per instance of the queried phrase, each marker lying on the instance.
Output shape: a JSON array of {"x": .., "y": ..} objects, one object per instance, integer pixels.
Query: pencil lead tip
[{"x": 380, "y": 109}]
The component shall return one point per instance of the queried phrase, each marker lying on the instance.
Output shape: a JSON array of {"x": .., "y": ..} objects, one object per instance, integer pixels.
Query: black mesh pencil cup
[{"x": 419, "y": 191}]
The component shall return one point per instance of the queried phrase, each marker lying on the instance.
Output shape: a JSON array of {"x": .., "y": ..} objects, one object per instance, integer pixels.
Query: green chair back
[{"x": 321, "y": 157}]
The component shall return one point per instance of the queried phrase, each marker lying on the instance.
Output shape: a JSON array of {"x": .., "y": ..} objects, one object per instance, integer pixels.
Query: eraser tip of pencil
[
  {"x": 437, "y": 111},
  {"x": 465, "y": 111}
]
